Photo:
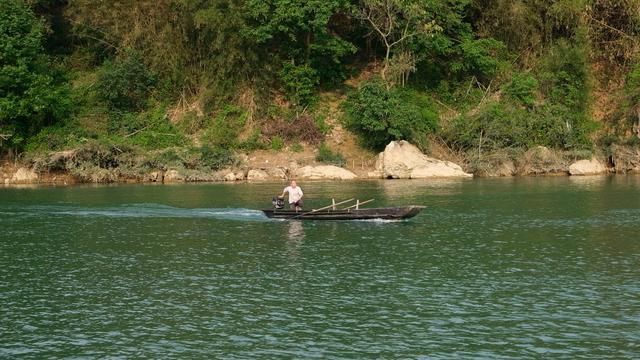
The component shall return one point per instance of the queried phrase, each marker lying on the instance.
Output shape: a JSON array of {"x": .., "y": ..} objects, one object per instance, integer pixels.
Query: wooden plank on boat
[
  {"x": 323, "y": 208},
  {"x": 358, "y": 204}
]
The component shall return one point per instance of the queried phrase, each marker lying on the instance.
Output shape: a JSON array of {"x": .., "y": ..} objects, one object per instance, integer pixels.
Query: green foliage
[
  {"x": 277, "y": 143},
  {"x": 300, "y": 83},
  {"x": 321, "y": 124},
  {"x": 32, "y": 92},
  {"x": 225, "y": 127},
  {"x": 632, "y": 96},
  {"x": 56, "y": 137},
  {"x": 522, "y": 89},
  {"x": 149, "y": 130},
  {"x": 299, "y": 31},
  {"x": 328, "y": 58},
  {"x": 191, "y": 123},
  {"x": 528, "y": 25},
  {"x": 564, "y": 82},
  {"x": 559, "y": 120},
  {"x": 216, "y": 54},
  {"x": 327, "y": 156},
  {"x": 503, "y": 125},
  {"x": 126, "y": 83},
  {"x": 253, "y": 142},
  {"x": 481, "y": 57},
  {"x": 379, "y": 115},
  {"x": 632, "y": 88},
  {"x": 217, "y": 158},
  {"x": 564, "y": 75}
]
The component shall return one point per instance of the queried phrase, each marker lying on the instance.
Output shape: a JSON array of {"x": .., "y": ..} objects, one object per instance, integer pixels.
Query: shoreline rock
[
  {"x": 587, "y": 167},
  {"x": 24, "y": 176},
  {"x": 402, "y": 160},
  {"x": 329, "y": 172},
  {"x": 540, "y": 160}
]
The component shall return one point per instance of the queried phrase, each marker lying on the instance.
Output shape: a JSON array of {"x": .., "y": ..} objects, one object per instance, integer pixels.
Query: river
[{"x": 493, "y": 268}]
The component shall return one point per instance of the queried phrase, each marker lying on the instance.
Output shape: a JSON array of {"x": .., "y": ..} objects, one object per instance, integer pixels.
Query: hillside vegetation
[{"x": 143, "y": 85}]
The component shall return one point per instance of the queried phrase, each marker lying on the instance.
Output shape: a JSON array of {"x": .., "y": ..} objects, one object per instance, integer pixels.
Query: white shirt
[{"x": 295, "y": 194}]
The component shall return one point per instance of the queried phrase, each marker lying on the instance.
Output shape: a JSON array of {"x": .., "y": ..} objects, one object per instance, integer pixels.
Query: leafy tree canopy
[{"x": 30, "y": 94}]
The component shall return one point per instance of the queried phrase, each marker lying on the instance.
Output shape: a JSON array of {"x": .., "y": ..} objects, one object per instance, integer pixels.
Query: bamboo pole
[
  {"x": 358, "y": 204},
  {"x": 322, "y": 208}
]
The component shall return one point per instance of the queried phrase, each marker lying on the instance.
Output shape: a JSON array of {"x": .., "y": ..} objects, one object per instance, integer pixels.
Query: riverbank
[{"x": 400, "y": 160}]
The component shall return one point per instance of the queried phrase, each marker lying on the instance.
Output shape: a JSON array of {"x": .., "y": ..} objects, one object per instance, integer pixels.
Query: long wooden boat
[{"x": 388, "y": 213}]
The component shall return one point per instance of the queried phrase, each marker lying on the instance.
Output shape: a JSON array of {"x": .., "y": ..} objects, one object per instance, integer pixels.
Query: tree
[
  {"x": 380, "y": 115},
  {"x": 30, "y": 94},
  {"x": 126, "y": 83},
  {"x": 299, "y": 32},
  {"x": 394, "y": 22}
]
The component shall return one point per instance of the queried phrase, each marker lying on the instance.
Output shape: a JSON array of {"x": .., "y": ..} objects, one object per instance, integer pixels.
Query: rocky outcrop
[
  {"x": 24, "y": 176},
  {"x": 241, "y": 175},
  {"x": 231, "y": 175},
  {"x": 587, "y": 167},
  {"x": 173, "y": 176},
  {"x": 265, "y": 174},
  {"x": 277, "y": 173},
  {"x": 257, "y": 175},
  {"x": 625, "y": 159},
  {"x": 502, "y": 168},
  {"x": 324, "y": 172},
  {"x": 401, "y": 160},
  {"x": 542, "y": 161},
  {"x": 376, "y": 174}
]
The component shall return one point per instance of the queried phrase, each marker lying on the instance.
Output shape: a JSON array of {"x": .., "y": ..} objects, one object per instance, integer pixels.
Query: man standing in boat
[{"x": 295, "y": 195}]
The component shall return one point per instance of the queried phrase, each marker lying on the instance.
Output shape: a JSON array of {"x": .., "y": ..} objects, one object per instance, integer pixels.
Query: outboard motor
[{"x": 278, "y": 203}]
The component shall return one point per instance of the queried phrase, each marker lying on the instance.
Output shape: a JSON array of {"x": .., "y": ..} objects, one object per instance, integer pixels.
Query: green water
[{"x": 537, "y": 267}]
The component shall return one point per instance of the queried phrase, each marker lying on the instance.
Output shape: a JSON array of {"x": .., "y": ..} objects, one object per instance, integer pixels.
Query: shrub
[
  {"x": 150, "y": 130},
  {"x": 225, "y": 127},
  {"x": 564, "y": 76},
  {"x": 216, "y": 158},
  {"x": 325, "y": 155},
  {"x": 522, "y": 89},
  {"x": 504, "y": 125},
  {"x": 299, "y": 82},
  {"x": 125, "y": 84},
  {"x": 277, "y": 143},
  {"x": 253, "y": 142},
  {"x": 56, "y": 137},
  {"x": 379, "y": 115},
  {"x": 320, "y": 121},
  {"x": 482, "y": 57}
]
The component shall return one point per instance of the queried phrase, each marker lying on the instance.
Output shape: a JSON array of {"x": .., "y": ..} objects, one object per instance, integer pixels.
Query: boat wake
[{"x": 140, "y": 211}]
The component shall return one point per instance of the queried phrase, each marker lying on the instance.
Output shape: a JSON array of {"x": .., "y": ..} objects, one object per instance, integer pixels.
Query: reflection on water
[
  {"x": 394, "y": 189},
  {"x": 590, "y": 182},
  {"x": 295, "y": 231},
  {"x": 294, "y": 240}
]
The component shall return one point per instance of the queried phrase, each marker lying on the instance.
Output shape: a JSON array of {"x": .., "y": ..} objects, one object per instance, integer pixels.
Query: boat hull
[{"x": 391, "y": 213}]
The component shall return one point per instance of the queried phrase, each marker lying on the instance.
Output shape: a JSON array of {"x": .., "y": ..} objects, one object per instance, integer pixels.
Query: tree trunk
[
  {"x": 307, "y": 54},
  {"x": 385, "y": 67}
]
